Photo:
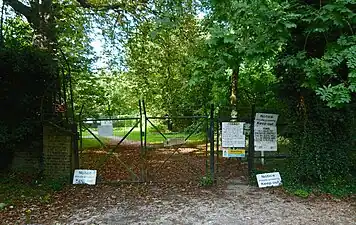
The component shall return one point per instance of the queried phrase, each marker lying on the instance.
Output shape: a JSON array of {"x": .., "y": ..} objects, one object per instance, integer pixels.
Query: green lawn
[
  {"x": 93, "y": 143},
  {"x": 152, "y": 137}
]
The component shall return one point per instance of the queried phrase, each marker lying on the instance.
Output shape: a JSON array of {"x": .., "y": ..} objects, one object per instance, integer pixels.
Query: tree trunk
[
  {"x": 45, "y": 37},
  {"x": 40, "y": 17},
  {"x": 234, "y": 87}
]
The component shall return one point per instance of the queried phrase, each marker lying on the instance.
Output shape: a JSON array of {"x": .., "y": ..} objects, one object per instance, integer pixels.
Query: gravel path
[{"x": 235, "y": 204}]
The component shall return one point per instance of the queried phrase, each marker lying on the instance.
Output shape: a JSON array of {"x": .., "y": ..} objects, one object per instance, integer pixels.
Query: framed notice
[{"x": 232, "y": 135}]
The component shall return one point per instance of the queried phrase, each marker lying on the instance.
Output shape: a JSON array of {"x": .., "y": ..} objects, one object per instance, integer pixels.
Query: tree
[
  {"x": 42, "y": 15},
  {"x": 316, "y": 73},
  {"x": 158, "y": 51},
  {"x": 242, "y": 31}
]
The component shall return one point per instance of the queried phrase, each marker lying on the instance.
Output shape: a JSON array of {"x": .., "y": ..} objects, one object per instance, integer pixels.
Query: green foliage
[
  {"x": 158, "y": 56},
  {"x": 317, "y": 65},
  {"x": 206, "y": 181},
  {"x": 25, "y": 80},
  {"x": 15, "y": 188},
  {"x": 17, "y": 33},
  {"x": 325, "y": 50},
  {"x": 301, "y": 193},
  {"x": 55, "y": 185},
  {"x": 317, "y": 155},
  {"x": 104, "y": 95}
]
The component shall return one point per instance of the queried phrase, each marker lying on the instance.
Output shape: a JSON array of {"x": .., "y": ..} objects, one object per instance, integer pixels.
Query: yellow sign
[
  {"x": 236, "y": 151},
  {"x": 230, "y": 153}
]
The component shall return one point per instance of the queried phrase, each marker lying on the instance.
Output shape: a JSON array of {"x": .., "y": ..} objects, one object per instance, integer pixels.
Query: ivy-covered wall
[{"x": 26, "y": 92}]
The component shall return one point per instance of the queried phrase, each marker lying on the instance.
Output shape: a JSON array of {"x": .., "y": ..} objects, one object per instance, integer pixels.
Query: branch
[
  {"x": 86, "y": 4},
  {"x": 19, "y": 8}
]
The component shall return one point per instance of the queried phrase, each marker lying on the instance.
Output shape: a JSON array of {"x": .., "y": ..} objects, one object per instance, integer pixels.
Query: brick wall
[
  {"x": 26, "y": 158},
  {"x": 57, "y": 153},
  {"x": 25, "y": 161}
]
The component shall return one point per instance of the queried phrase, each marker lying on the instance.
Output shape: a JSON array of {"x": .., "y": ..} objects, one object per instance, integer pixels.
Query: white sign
[
  {"x": 106, "y": 122},
  {"x": 89, "y": 121},
  {"x": 265, "y": 132},
  {"x": 265, "y": 138},
  {"x": 105, "y": 130},
  {"x": 84, "y": 177},
  {"x": 267, "y": 119},
  {"x": 232, "y": 135},
  {"x": 269, "y": 179}
]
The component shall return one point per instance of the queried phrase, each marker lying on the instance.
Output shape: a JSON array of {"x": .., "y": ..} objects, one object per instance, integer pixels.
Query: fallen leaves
[{"x": 166, "y": 171}]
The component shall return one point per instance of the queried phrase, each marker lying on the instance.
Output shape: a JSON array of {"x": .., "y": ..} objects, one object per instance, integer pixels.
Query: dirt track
[{"x": 235, "y": 204}]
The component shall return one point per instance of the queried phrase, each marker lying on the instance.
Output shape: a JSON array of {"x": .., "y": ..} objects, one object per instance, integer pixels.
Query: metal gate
[
  {"x": 176, "y": 148},
  {"x": 145, "y": 148},
  {"x": 113, "y": 147},
  {"x": 235, "y": 167}
]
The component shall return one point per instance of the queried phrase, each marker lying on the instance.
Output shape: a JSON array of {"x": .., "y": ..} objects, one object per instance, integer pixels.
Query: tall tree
[
  {"x": 42, "y": 14},
  {"x": 158, "y": 51},
  {"x": 245, "y": 30},
  {"x": 316, "y": 71}
]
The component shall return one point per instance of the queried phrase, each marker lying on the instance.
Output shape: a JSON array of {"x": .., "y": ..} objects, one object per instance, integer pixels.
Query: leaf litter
[{"x": 173, "y": 195}]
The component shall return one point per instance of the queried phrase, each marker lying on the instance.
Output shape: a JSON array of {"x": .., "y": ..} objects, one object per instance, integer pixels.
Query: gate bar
[
  {"x": 124, "y": 137},
  {"x": 106, "y": 119},
  {"x": 141, "y": 142},
  {"x": 251, "y": 147},
  {"x": 147, "y": 119},
  {"x": 193, "y": 132},
  {"x": 102, "y": 144},
  {"x": 176, "y": 117},
  {"x": 212, "y": 156}
]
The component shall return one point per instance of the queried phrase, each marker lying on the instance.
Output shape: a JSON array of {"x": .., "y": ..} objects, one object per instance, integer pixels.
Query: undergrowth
[
  {"x": 16, "y": 188},
  {"x": 206, "y": 181},
  {"x": 338, "y": 187}
]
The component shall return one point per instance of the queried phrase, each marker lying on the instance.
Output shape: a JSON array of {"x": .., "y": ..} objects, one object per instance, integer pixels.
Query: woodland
[{"x": 292, "y": 57}]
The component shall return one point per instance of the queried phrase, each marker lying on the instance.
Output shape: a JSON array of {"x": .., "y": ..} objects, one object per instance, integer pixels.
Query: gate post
[
  {"x": 142, "y": 150},
  {"x": 80, "y": 128},
  {"x": 212, "y": 156},
  {"x": 75, "y": 140},
  {"x": 251, "y": 145},
  {"x": 144, "y": 139}
]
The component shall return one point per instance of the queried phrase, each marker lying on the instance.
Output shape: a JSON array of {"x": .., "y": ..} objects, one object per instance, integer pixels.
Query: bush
[{"x": 321, "y": 150}]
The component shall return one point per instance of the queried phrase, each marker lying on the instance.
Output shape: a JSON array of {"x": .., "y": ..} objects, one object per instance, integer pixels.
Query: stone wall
[{"x": 57, "y": 153}]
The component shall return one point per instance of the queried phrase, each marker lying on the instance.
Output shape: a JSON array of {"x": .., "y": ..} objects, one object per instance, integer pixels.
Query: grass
[
  {"x": 93, "y": 143},
  {"x": 152, "y": 137}
]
